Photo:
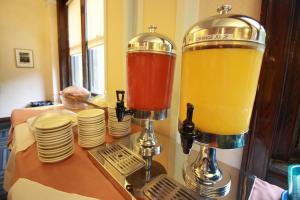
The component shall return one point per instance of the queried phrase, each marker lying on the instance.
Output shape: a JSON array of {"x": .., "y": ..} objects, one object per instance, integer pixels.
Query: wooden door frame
[
  {"x": 63, "y": 44},
  {"x": 275, "y": 110}
]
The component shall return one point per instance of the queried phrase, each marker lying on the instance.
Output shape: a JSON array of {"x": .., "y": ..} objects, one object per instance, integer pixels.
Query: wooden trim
[
  {"x": 287, "y": 130},
  {"x": 63, "y": 44},
  {"x": 274, "y": 120},
  {"x": 84, "y": 51}
]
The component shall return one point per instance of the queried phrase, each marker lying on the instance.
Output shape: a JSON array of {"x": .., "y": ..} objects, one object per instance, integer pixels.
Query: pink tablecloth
[{"x": 76, "y": 174}]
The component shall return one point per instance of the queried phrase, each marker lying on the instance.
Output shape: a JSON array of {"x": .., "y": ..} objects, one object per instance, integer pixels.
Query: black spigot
[
  {"x": 187, "y": 132},
  {"x": 120, "y": 108}
]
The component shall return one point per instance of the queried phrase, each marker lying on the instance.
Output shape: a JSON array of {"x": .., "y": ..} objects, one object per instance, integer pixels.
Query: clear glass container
[
  {"x": 150, "y": 71},
  {"x": 221, "y": 62}
]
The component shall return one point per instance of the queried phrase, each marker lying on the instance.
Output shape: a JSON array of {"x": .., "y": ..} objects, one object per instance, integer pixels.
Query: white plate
[
  {"x": 57, "y": 159},
  {"x": 96, "y": 138},
  {"x": 91, "y": 128},
  {"x": 90, "y": 145},
  {"x": 99, "y": 135},
  {"x": 90, "y": 113},
  {"x": 113, "y": 131},
  {"x": 125, "y": 119},
  {"x": 92, "y": 124},
  {"x": 119, "y": 125},
  {"x": 53, "y": 134},
  {"x": 51, "y": 130},
  {"x": 52, "y": 123},
  {"x": 91, "y": 132},
  {"x": 92, "y": 121},
  {"x": 52, "y": 113},
  {"x": 54, "y": 141},
  {"x": 55, "y": 154},
  {"x": 117, "y": 135},
  {"x": 91, "y": 136},
  {"x": 52, "y": 147},
  {"x": 55, "y": 151},
  {"x": 119, "y": 129}
]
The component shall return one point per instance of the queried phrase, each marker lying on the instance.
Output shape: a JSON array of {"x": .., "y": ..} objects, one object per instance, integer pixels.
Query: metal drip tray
[
  {"x": 164, "y": 187},
  {"x": 124, "y": 160},
  {"x": 124, "y": 168}
]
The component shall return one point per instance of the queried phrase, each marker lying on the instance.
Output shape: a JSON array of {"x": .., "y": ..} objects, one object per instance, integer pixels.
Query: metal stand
[
  {"x": 204, "y": 175},
  {"x": 148, "y": 146}
]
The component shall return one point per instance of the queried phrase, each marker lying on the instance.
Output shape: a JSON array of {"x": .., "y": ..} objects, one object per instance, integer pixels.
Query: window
[
  {"x": 76, "y": 69},
  {"x": 95, "y": 42},
  {"x": 89, "y": 74},
  {"x": 96, "y": 69}
]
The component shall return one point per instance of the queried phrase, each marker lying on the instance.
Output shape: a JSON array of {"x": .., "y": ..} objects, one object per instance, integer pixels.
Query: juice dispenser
[
  {"x": 221, "y": 62},
  {"x": 150, "y": 71}
]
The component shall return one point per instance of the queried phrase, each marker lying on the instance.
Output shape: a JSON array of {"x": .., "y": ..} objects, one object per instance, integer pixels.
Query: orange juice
[{"x": 221, "y": 84}]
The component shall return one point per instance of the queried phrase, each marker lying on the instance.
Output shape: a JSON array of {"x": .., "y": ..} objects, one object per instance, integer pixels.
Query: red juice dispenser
[
  {"x": 150, "y": 79},
  {"x": 150, "y": 70}
]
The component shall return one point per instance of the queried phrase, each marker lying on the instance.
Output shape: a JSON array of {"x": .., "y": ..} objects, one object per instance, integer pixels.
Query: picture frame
[{"x": 24, "y": 58}]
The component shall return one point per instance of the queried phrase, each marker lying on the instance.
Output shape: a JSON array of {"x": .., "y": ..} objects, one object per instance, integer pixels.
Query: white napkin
[
  {"x": 25, "y": 189},
  {"x": 23, "y": 137}
]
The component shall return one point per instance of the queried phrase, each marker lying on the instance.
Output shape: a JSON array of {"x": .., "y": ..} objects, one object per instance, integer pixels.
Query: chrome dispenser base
[
  {"x": 151, "y": 115},
  {"x": 147, "y": 141},
  {"x": 204, "y": 175},
  {"x": 147, "y": 146}
]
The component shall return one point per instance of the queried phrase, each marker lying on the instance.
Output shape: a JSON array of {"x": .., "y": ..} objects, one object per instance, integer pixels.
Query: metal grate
[
  {"x": 124, "y": 160},
  {"x": 165, "y": 188}
]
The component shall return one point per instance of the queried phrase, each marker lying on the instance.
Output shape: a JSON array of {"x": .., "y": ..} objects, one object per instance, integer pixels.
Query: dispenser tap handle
[
  {"x": 121, "y": 110},
  {"x": 187, "y": 132},
  {"x": 120, "y": 93},
  {"x": 188, "y": 124},
  {"x": 189, "y": 112}
]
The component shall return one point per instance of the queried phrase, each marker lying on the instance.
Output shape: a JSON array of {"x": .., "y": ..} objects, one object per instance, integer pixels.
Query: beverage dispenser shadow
[
  {"x": 221, "y": 62},
  {"x": 150, "y": 71}
]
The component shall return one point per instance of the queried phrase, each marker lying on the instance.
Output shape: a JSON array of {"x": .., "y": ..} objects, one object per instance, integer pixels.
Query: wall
[
  {"x": 27, "y": 24},
  {"x": 115, "y": 39},
  {"x": 246, "y": 7}
]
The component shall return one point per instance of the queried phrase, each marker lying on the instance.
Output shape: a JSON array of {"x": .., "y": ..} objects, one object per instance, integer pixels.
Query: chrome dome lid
[
  {"x": 225, "y": 29},
  {"x": 152, "y": 42}
]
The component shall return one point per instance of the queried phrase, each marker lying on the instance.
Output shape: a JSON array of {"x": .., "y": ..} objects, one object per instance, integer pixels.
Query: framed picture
[{"x": 24, "y": 58}]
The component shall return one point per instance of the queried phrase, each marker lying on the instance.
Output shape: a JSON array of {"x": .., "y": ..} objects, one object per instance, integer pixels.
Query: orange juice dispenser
[
  {"x": 221, "y": 62},
  {"x": 150, "y": 70}
]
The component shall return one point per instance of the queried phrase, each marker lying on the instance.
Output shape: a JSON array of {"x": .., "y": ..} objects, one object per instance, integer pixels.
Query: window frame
[{"x": 64, "y": 50}]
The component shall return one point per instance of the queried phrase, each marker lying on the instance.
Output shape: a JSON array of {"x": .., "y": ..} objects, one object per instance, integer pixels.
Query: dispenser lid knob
[
  {"x": 224, "y": 9},
  {"x": 152, "y": 28}
]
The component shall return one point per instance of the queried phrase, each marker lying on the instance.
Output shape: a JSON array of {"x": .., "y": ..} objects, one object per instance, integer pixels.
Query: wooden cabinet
[{"x": 273, "y": 140}]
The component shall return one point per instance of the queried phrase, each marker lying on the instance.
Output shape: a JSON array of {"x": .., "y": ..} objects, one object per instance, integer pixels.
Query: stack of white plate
[
  {"x": 54, "y": 138},
  {"x": 118, "y": 129},
  {"x": 91, "y": 127}
]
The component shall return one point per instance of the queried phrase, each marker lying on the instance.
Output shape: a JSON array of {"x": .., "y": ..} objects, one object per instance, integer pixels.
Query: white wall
[{"x": 27, "y": 24}]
